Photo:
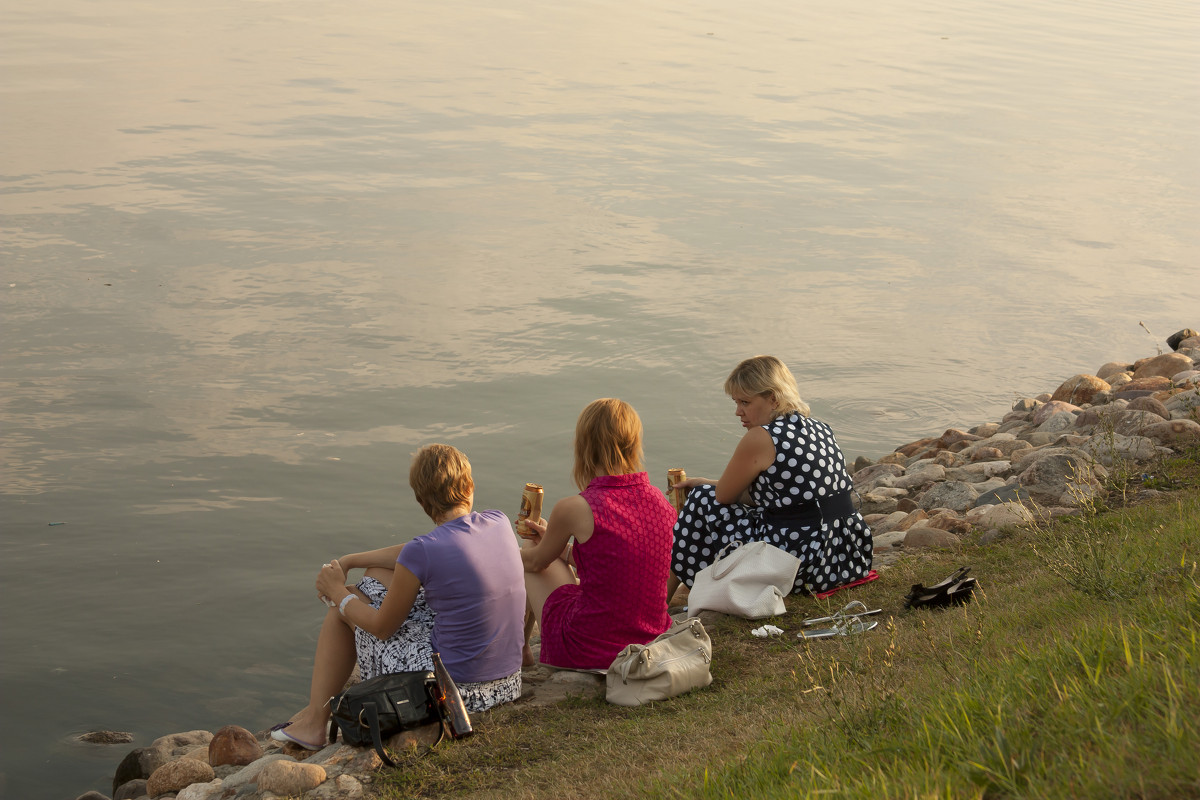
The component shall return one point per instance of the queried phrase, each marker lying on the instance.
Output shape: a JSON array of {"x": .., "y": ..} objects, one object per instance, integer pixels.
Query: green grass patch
[{"x": 1035, "y": 689}]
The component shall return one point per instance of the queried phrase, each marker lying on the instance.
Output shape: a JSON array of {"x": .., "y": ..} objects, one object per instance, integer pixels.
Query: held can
[
  {"x": 678, "y": 497},
  {"x": 531, "y": 506}
]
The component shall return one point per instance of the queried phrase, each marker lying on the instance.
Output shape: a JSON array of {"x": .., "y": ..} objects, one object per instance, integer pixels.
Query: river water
[{"x": 255, "y": 253}]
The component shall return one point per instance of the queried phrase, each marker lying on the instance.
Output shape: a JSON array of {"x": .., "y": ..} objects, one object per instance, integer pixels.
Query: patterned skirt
[
  {"x": 831, "y": 555},
  {"x": 409, "y": 650}
]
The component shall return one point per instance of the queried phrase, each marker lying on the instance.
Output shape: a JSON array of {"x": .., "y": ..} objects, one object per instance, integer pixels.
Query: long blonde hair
[
  {"x": 608, "y": 441},
  {"x": 762, "y": 375}
]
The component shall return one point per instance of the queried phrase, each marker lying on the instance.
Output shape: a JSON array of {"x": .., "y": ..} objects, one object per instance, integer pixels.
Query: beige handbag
[
  {"x": 674, "y": 663},
  {"x": 747, "y": 580}
]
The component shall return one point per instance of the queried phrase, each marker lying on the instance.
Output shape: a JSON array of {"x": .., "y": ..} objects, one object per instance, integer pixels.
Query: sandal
[
  {"x": 855, "y": 608},
  {"x": 843, "y": 627},
  {"x": 954, "y": 590}
]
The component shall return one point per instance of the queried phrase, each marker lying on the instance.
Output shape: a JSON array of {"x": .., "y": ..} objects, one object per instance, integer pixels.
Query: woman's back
[{"x": 623, "y": 567}]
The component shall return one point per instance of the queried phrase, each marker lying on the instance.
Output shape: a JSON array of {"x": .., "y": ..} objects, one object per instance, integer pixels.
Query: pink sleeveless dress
[{"x": 621, "y": 597}]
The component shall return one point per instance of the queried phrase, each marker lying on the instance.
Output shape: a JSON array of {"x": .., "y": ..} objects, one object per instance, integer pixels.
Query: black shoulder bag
[{"x": 374, "y": 710}]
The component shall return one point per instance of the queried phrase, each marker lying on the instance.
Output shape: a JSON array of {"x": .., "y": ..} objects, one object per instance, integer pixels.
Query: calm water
[{"x": 255, "y": 253}]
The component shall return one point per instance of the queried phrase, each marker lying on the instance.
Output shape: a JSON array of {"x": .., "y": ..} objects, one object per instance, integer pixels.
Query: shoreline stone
[{"x": 1045, "y": 455}]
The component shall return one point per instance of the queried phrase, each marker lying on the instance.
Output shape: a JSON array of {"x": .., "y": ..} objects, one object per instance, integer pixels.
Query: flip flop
[
  {"x": 855, "y": 608},
  {"x": 844, "y": 627},
  {"x": 281, "y": 735}
]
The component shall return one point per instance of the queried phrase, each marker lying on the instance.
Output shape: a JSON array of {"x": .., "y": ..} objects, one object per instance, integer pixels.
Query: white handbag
[
  {"x": 747, "y": 580},
  {"x": 674, "y": 663}
]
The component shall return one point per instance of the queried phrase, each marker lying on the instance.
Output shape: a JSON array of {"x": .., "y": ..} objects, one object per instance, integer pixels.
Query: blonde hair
[
  {"x": 440, "y": 477},
  {"x": 608, "y": 441},
  {"x": 763, "y": 375}
]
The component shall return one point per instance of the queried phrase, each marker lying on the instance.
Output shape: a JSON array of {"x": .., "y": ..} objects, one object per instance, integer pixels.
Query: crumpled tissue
[{"x": 766, "y": 630}]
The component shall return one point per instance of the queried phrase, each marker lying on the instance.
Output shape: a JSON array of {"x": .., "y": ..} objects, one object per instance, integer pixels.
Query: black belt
[{"x": 812, "y": 513}]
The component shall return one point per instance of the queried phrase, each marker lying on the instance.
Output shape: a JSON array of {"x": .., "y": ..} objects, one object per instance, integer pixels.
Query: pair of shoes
[
  {"x": 956, "y": 589},
  {"x": 843, "y": 627},
  {"x": 855, "y": 608},
  {"x": 280, "y": 734}
]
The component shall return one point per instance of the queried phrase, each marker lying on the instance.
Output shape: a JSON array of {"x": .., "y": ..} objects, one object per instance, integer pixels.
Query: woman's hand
[
  {"x": 692, "y": 483},
  {"x": 331, "y": 581},
  {"x": 537, "y": 529}
]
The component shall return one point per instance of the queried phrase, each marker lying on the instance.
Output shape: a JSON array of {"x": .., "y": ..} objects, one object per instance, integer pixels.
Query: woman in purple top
[
  {"x": 456, "y": 590},
  {"x": 622, "y": 551}
]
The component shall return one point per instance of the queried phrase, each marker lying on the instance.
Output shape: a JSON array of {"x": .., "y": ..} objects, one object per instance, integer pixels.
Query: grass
[{"x": 1035, "y": 689}]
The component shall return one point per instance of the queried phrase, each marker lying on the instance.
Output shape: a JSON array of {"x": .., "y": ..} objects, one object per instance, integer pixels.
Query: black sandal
[{"x": 954, "y": 590}]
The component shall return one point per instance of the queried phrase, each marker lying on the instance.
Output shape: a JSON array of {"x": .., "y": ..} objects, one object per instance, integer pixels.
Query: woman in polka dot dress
[{"x": 786, "y": 484}]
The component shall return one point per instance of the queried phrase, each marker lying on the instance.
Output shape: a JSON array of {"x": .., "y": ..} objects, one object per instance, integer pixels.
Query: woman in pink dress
[{"x": 622, "y": 527}]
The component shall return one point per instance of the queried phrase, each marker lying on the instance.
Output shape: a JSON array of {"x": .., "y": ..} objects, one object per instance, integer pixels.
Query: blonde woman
[
  {"x": 622, "y": 551},
  {"x": 457, "y": 590},
  {"x": 786, "y": 484}
]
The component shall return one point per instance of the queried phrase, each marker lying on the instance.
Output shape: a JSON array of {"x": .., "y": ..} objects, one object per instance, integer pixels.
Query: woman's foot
[{"x": 299, "y": 737}]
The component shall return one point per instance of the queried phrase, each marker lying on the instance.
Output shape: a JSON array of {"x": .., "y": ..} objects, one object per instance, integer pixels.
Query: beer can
[
  {"x": 531, "y": 506},
  {"x": 678, "y": 497}
]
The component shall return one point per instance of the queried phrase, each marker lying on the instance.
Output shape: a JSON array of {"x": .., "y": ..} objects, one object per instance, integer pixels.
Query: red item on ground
[{"x": 872, "y": 575}]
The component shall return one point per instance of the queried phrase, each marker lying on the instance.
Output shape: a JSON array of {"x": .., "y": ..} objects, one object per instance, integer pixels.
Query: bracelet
[{"x": 342, "y": 605}]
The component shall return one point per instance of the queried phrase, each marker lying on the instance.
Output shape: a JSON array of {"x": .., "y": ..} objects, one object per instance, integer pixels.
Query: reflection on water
[{"x": 254, "y": 254}]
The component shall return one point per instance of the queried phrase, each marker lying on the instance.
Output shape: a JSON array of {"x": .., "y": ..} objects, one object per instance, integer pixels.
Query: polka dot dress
[{"x": 808, "y": 466}]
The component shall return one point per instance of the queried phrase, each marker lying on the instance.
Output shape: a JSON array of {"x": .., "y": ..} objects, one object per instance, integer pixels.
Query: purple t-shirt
[{"x": 471, "y": 570}]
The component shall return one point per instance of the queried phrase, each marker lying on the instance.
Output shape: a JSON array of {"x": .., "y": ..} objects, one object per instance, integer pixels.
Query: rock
[
  {"x": 1173, "y": 432},
  {"x": 1175, "y": 340},
  {"x": 416, "y": 739},
  {"x": 906, "y": 504},
  {"x": 131, "y": 790},
  {"x": 1186, "y": 379},
  {"x": 1151, "y": 405},
  {"x": 931, "y": 537},
  {"x": 352, "y": 760},
  {"x": 1163, "y": 366},
  {"x": 955, "y": 495},
  {"x": 861, "y": 463},
  {"x": 893, "y": 458},
  {"x": 1014, "y": 427},
  {"x": 1025, "y": 404},
  {"x": 92, "y": 795},
  {"x": 951, "y": 523},
  {"x": 877, "y": 503},
  {"x": 233, "y": 744},
  {"x": 1107, "y": 448},
  {"x": 890, "y": 539},
  {"x": 1048, "y": 410},
  {"x": 1130, "y": 422},
  {"x": 987, "y": 469},
  {"x": 1185, "y": 405},
  {"x": 288, "y": 778},
  {"x": 912, "y": 448},
  {"x": 986, "y": 429},
  {"x": 1012, "y": 493},
  {"x": 105, "y": 737},
  {"x": 200, "y": 791},
  {"x": 1057, "y": 423},
  {"x": 139, "y": 763},
  {"x": 1113, "y": 368},
  {"x": 914, "y": 478},
  {"x": 175, "y": 775},
  {"x": 868, "y": 478},
  {"x": 1079, "y": 389},
  {"x": 249, "y": 774},
  {"x": 911, "y": 519},
  {"x": 986, "y": 454},
  {"x": 1061, "y": 478},
  {"x": 1002, "y": 515},
  {"x": 1148, "y": 384},
  {"x": 949, "y": 458}
]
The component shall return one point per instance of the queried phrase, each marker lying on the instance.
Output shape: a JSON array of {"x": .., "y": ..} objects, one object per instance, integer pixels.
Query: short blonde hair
[
  {"x": 440, "y": 477},
  {"x": 608, "y": 441},
  {"x": 763, "y": 375}
]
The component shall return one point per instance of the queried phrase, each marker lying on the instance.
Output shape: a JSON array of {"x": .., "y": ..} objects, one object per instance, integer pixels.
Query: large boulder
[
  {"x": 1149, "y": 404},
  {"x": 1079, "y": 389},
  {"x": 1176, "y": 339},
  {"x": 177, "y": 774},
  {"x": 1000, "y": 515},
  {"x": 233, "y": 744},
  {"x": 1048, "y": 410},
  {"x": 1164, "y": 366},
  {"x": 1113, "y": 368},
  {"x": 955, "y": 495},
  {"x": 1057, "y": 423},
  {"x": 288, "y": 778},
  {"x": 1173, "y": 432},
  {"x": 1062, "y": 478},
  {"x": 1011, "y": 493},
  {"x": 1107, "y": 448},
  {"x": 931, "y": 537},
  {"x": 1185, "y": 405}
]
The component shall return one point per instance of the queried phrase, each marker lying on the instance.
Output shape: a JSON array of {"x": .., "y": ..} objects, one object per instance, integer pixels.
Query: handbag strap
[
  {"x": 372, "y": 712},
  {"x": 721, "y": 567}
]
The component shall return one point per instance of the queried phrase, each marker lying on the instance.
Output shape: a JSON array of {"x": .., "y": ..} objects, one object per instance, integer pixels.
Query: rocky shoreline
[{"x": 1046, "y": 457}]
